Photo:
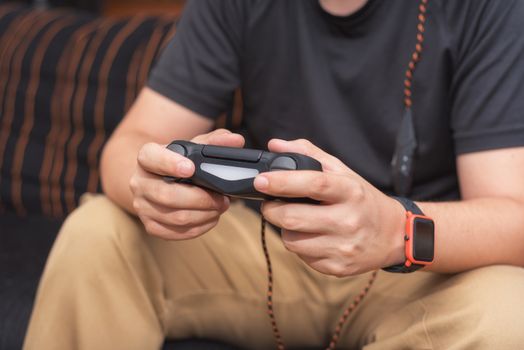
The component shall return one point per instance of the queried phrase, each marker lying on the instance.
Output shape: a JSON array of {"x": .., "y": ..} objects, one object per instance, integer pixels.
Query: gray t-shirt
[{"x": 338, "y": 81}]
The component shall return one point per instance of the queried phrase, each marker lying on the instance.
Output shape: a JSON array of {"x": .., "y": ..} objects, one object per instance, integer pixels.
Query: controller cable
[{"x": 415, "y": 58}]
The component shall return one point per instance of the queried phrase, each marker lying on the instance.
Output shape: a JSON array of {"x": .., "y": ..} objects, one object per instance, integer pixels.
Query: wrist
[{"x": 394, "y": 228}]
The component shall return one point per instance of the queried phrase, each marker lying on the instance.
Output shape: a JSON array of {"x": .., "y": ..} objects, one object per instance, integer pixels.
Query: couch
[{"x": 66, "y": 80}]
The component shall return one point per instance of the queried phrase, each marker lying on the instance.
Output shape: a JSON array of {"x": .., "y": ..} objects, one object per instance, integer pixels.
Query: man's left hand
[{"x": 355, "y": 229}]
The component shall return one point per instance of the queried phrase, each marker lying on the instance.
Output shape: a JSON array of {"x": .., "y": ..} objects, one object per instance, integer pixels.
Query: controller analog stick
[{"x": 283, "y": 163}]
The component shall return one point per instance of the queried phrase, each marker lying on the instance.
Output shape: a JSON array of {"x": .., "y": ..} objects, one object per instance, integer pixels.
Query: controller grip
[{"x": 231, "y": 171}]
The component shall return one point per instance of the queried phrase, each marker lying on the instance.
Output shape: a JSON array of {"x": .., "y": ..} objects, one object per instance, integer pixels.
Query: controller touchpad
[{"x": 229, "y": 173}]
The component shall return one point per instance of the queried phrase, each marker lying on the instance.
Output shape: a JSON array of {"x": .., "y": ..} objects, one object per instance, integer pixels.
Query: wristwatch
[{"x": 419, "y": 238}]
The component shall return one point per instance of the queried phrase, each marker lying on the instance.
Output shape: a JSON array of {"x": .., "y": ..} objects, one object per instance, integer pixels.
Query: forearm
[
  {"x": 118, "y": 164},
  {"x": 477, "y": 232},
  {"x": 119, "y": 158}
]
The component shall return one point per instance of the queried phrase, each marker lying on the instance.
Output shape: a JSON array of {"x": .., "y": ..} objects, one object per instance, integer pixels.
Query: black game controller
[{"x": 231, "y": 171}]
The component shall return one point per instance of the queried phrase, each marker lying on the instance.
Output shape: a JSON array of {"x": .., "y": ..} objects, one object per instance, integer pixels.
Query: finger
[
  {"x": 204, "y": 138},
  {"x": 221, "y": 137},
  {"x": 306, "y": 218},
  {"x": 169, "y": 232},
  {"x": 157, "y": 159},
  {"x": 317, "y": 251},
  {"x": 180, "y": 218},
  {"x": 306, "y": 245},
  {"x": 325, "y": 187},
  {"x": 326, "y": 266},
  {"x": 179, "y": 196},
  {"x": 302, "y": 146}
]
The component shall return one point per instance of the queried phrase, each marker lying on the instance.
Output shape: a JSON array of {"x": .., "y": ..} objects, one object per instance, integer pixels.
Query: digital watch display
[{"x": 423, "y": 239}]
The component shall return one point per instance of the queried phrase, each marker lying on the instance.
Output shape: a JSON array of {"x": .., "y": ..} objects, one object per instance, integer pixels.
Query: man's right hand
[{"x": 174, "y": 211}]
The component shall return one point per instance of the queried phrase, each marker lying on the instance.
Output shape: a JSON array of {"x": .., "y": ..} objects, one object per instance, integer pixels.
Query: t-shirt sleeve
[
  {"x": 199, "y": 68},
  {"x": 487, "y": 89}
]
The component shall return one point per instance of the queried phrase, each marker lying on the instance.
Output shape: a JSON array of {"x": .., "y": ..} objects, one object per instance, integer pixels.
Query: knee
[{"x": 486, "y": 305}]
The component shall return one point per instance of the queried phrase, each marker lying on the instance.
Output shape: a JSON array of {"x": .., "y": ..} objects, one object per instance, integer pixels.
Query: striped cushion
[{"x": 66, "y": 80}]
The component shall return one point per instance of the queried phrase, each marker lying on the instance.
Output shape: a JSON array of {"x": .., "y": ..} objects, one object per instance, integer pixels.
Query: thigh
[
  {"x": 210, "y": 287},
  {"x": 215, "y": 287},
  {"x": 478, "y": 309},
  {"x": 392, "y": 316}
]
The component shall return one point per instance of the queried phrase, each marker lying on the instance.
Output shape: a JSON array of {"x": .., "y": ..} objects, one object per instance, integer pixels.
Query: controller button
[
  {"x": 178, "y": 149},
  {"x": 283, "y": 163}
]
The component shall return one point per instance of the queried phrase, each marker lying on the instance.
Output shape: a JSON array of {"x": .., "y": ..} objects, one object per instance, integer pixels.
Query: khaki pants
[{"x": 108, "y": 285}]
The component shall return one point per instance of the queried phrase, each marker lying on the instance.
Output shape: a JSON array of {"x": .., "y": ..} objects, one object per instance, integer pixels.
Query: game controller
[{"x": 231, "y": 171}]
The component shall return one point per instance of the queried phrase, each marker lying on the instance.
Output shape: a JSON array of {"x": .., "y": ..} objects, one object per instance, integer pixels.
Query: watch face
[{"x": 423, "y": 239}]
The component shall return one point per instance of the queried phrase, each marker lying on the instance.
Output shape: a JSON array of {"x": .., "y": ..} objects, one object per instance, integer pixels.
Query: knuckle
[
  {"x": 200, "y": 138},
  {"x": 166, "y": 194},
  {"x": 329, "y": 221},
  {"x": 170, "y": 166},
  {"x": 214, "y": 223},
  {"x": 136, "y": 205},
  {"x": 207, "y": 201},
  {"x": 347, "y": 249},
  {"x": 353, "y": 188},
  {"x": 169, "y": 161},
  {"x": 278, "y": 183},
  {"x": 192, "y": 233},
  {"x": 133, "y": 184},
  {"x": 304, "y": 142},
  {"x": 182, "y": 218},
  {"x": 140, "y": 157},
  {"x": 151, "y": 227},
  {"x": 320, "y": 185},
  {"x": 200, "y": 230},
  {"x": 290, "y": 246},
  {"x": 351, "y": 223},
  {"x": 265, "y": 209},
  {"x": 339, "y": 275},
  {"x": 338, "y": 271},
  {"x": 143, "y": 153},
  {"x": 288, "y": 243},
  {"x": 351, "y": 269},
  {"x": 357, "y": 191},
  {"x": 291, "y": 223},
  {"x": 162, "y": 197}
]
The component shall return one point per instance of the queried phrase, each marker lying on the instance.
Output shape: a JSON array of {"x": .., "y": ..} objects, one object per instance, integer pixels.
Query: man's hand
[
  {"x": 176, "y": 211},
  {"x": 355, "y": 229}
]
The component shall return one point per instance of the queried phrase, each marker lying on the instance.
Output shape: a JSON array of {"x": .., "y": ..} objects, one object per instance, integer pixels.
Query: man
[{"x": 330, "y": 72}]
